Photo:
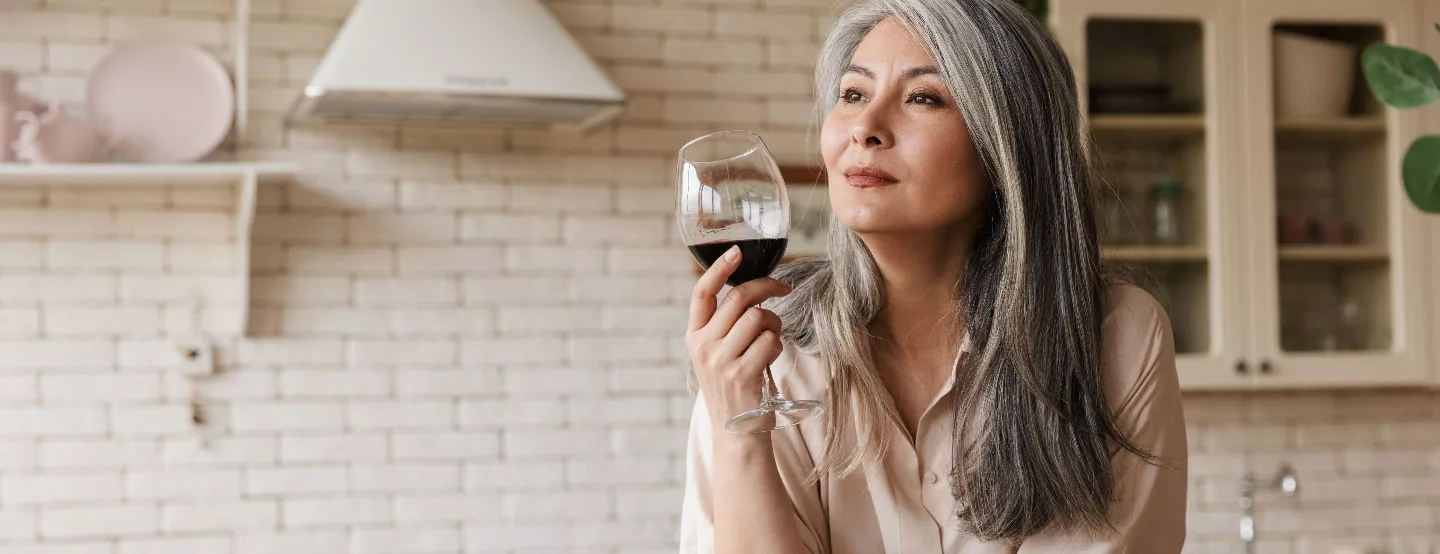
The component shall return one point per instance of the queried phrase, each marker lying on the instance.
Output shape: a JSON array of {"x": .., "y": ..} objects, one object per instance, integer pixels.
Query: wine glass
[{"x": 731, "y": 194}]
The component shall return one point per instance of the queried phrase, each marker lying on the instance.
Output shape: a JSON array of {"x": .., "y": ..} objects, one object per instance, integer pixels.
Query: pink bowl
[{"x": 162, "y": 101}]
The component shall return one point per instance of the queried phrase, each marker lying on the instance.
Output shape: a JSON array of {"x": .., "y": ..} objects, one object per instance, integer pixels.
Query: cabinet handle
[
  {"x": 1266, "y": 368},
  {"x": 1241, "y": 367}
]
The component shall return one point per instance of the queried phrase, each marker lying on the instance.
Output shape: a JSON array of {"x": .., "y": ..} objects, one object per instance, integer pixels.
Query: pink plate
[{"x": 162, "y": 101}]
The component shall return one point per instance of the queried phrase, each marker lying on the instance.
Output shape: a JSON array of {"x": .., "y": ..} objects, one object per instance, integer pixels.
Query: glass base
[{"x": 774, "y": 414}]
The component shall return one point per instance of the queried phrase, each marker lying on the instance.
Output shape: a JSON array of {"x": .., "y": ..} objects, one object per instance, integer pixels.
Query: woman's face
[{"x": 896, "y": 115}]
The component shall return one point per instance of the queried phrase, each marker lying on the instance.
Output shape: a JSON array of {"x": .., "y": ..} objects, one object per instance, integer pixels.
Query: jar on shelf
[{"x": 1166, "y": 199}]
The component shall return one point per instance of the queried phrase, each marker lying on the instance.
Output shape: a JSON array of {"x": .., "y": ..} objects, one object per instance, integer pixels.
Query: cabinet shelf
[
  {"x": 1332, "y": 128},
  {"x": 1147, "y": 124},
  {"x": 1329, "y": 253},
  {"x": 1154, "y": 253}
]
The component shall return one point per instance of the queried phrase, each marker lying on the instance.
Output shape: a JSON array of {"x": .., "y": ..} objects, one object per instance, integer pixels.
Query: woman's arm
[
  {"x": 735, "y": 499},
  {"x": 753, "y": 511}
]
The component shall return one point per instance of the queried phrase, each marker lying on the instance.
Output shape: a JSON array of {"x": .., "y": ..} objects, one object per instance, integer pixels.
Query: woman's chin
[
  {"x": 888, "y": 228},
  {"x": 867, "y": 218},
  {"x": 877, "y": 225}
]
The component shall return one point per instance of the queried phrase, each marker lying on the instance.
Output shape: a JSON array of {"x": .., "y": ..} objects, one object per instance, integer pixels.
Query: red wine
[{"x": 758, "y": 257}]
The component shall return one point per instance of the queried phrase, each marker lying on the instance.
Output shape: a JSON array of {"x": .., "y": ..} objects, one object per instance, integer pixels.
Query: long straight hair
[{"x": 1040, "y": 432}]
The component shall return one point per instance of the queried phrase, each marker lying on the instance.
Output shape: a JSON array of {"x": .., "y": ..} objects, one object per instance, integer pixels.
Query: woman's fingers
[
  {"x": 719, "y": 341},
  {"x": 745, "y": 331},
  {"x": 702, "y": 297},
  {"x": 740, "y": 299},
  {"x": 763, "y": 352}
]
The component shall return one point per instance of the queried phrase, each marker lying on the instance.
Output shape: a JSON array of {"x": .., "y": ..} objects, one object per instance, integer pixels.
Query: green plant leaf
[
  {"x": 1421, "y": 172},
  {"x": 1400, "y": 76}
]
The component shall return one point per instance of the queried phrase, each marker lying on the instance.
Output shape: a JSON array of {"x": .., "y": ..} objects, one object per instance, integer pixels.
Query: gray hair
[{"x": 1031, "y": 294}]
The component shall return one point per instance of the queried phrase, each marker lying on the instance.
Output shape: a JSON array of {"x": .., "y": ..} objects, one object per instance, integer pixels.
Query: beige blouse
[{"x": 906, "y": 506}]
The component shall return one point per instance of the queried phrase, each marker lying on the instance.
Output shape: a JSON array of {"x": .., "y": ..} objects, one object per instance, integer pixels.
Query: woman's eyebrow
[
  {"x": 907, "y": 74},
  {"x": 852, "y": 68},
  {"x": 922, "y": 70}
]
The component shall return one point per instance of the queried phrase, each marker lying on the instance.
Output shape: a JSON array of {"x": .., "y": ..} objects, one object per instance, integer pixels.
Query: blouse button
[{"x": 932, "y": 478}]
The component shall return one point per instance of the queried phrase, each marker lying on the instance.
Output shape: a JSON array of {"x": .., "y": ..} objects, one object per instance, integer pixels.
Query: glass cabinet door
[
  {"x": 1150, "y": 77},
  {"x": 1336, "y": 247}
]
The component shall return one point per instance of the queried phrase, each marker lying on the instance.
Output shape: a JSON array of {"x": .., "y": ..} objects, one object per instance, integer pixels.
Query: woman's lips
[{"x": 868, "y": 177}]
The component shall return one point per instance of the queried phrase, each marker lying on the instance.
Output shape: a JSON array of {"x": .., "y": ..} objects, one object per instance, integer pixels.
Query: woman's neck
[
  {"x": 918, "y": 331},
  {"x": 921, "y": 277}
]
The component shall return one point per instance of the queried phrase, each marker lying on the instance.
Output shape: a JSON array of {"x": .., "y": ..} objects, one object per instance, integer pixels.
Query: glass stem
[{"x": 769, "y": 393}]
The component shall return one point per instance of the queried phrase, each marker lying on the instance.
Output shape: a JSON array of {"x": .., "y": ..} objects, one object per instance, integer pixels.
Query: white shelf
[
  {"x": 246, "y": 177},
  {"x": 106, "y": 174}
]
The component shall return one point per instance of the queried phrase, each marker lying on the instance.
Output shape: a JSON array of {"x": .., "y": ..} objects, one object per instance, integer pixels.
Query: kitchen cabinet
[{"x": 1299, "y": 262}]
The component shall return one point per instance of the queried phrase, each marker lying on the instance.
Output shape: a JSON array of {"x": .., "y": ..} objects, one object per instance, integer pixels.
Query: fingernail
[{"x": 732, "y": 253}]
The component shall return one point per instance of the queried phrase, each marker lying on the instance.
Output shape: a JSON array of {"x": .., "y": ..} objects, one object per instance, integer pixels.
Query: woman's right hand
[{"x": 731, "y": 343}]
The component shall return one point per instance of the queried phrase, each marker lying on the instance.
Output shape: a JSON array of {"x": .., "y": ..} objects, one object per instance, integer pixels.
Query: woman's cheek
[
  {"x": 832, "y": 147},
  {"x": 832, "y": 138}
]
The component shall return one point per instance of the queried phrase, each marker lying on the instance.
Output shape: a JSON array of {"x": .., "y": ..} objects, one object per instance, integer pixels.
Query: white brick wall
[
  {"x": 177, "y": 545},
  {"x": 190, "y": 517},
  {"x": 299, "y": 481},
  {"x": 451, "y": 508},
  {"x": 399, "y": 478},
  {"x": 60, "y": 488},
  {"x": 467, "y": 340},
  {"x": 336, "y": 511},
  {"x": 349, "y": 447},
  {"x": 291, "y": 541},
  {"x": 182, "y": 484},
  {"x": 99, "y": 521}
]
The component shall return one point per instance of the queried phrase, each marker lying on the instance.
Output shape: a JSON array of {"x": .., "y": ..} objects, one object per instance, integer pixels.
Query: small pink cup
[
  {"x": 1335, "y": 231},
  {"x": 57, "y": 138},
  {"x": 1295, "y": 229}
]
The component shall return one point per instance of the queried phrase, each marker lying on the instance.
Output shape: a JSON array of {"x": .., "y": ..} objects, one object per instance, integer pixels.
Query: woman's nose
[{"x": 870, "y": 130}]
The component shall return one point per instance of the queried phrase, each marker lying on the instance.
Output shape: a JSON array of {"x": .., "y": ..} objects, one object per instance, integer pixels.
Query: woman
[{"x": 989, "y": 389}]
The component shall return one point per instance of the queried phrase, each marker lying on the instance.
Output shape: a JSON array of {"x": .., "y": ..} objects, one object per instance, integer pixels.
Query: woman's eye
[
  {"x": 925, "y": 99},
  {"x": 851, "y": 96}
]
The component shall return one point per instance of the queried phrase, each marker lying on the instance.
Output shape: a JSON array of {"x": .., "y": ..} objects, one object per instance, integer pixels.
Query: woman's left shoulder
[
  {"x": 1129, "y": 307},
  {"x": 1138, "y": 351}
]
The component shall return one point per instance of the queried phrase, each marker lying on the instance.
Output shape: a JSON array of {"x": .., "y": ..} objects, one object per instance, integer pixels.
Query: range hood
[{"x": 506, "y": 62}]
